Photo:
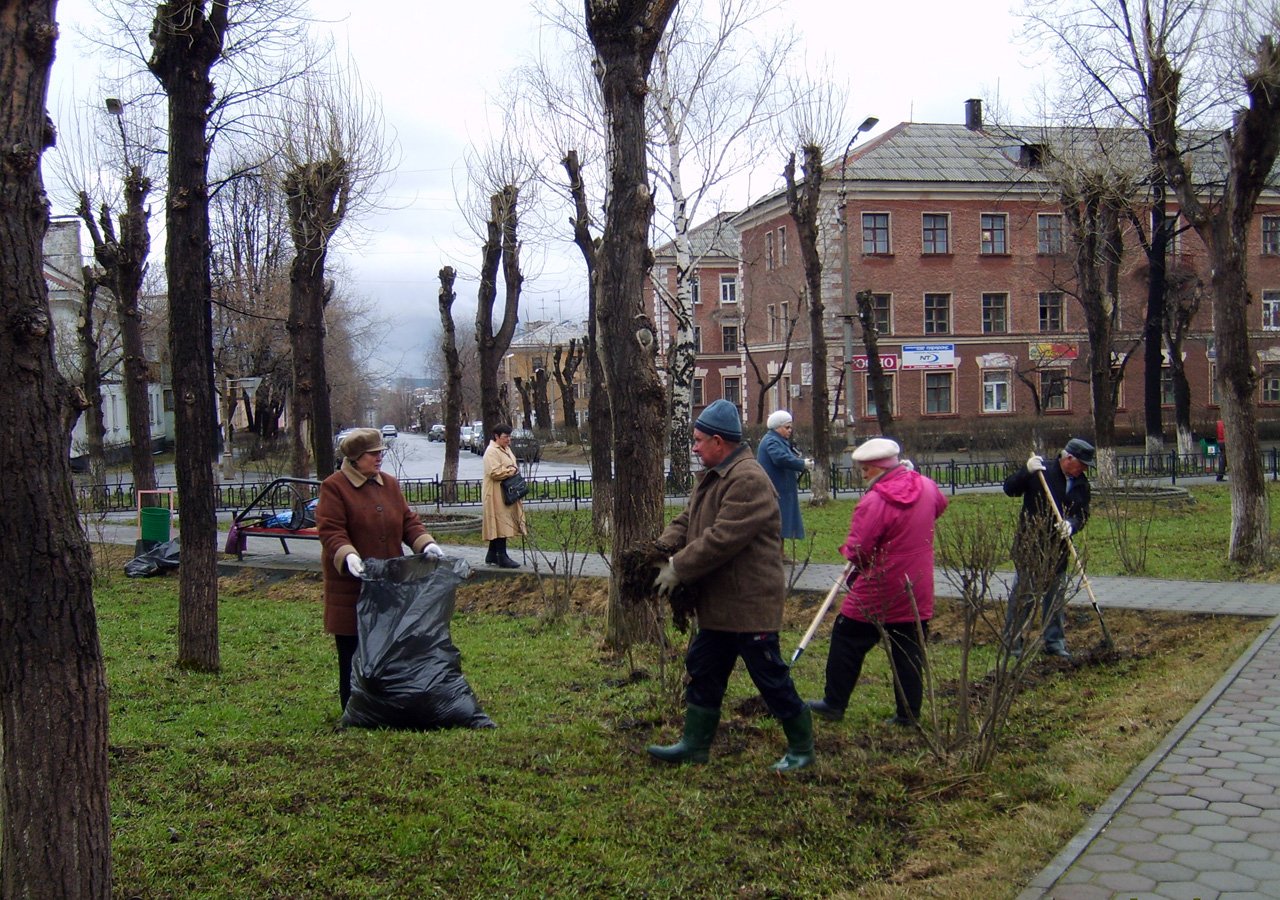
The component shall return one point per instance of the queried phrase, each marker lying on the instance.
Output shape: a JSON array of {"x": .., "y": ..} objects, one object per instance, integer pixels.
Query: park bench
[{"x": 285, "y": 509}]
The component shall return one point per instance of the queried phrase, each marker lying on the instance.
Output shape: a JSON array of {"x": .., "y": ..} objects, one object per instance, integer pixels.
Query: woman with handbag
[{"x": 501, "y": 520}]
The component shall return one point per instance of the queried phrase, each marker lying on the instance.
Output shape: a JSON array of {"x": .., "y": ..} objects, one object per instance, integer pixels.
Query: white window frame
[
  {"x": 994, "y": 383},
  {"x": 1271, "y": 310},
  {"x": 728, "y": 290}
]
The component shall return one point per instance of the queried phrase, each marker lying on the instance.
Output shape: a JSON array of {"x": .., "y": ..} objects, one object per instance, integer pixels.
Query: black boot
[
  {"x": 501, "y": 559},
  {"x": 694, "y": 746},
  {"x": 491, "y": 558}
]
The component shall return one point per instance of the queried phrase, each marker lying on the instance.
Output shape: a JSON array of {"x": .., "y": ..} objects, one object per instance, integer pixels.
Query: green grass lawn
[{"x": 240, "y": 785}]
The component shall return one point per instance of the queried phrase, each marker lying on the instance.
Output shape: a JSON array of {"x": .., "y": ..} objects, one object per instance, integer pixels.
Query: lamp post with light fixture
[{"x": 846, "y": 283}]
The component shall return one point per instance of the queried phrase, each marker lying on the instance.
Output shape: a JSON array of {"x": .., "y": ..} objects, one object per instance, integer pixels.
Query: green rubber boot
[
  {"x": 799, "y": 731},
  {"x": 700, "y": 726}
]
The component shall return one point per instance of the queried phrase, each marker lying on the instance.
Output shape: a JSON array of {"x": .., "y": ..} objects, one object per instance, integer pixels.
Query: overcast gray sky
[{"x": 435, "y": 63}]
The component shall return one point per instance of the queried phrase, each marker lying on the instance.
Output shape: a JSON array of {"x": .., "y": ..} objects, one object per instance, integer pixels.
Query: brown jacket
[
  {"x": 727, "y": 540},
  {"x": 500, "y": 520},
  {"x": 368, "y": 516}
]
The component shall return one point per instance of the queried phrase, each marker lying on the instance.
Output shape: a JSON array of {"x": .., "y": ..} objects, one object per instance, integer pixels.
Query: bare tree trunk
[
  {"x": 525, "y": 389},
  {"x": 54, "y": 809},
  {"x": 875, "y": 371},
  {"x": 599, "y": 416},
  {"x": 123, "y": 257},
  {"x": 453, "y": 383},
  {"x": 186, "y": 44},
  {"x": 564, "y": 369},
  {"x": 95, "y": 430},
  {"x": 541, "y": 402},
  {"x": 625, "y": 34},
  {"x": 802, "y": 200},
  {"x": 310, "y": 381},
  {"x": 501, "y": 246},
  {"x": 1152, "y": 358}
]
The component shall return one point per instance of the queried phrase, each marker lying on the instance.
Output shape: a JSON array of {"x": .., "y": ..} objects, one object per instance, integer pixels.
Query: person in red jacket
[
  {"x": 890, "y": 544},
  {"x": 361, "y": 514}
]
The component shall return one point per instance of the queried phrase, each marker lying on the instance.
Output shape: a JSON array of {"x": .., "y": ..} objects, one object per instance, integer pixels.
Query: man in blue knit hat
[{"x": 725, "y": 545}]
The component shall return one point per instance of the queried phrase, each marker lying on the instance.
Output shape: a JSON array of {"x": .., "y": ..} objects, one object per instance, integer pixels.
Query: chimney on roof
[{"x": 973, "y": 114}]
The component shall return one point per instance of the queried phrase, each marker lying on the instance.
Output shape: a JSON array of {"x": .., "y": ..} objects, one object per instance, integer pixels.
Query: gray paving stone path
[{"x": 1199, "y": 818}]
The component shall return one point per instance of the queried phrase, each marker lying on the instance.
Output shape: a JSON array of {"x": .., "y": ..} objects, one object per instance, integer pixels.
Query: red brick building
[{"x": 959, "y": 235}]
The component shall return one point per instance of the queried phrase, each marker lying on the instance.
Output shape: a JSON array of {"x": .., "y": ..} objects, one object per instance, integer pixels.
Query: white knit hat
[
  {"x": 778, "y": 419},
  {"x": 881, "y": 452}
]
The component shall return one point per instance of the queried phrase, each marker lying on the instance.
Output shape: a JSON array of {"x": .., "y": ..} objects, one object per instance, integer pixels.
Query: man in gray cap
[
  {"x": 725, "y": 544},
  {"x": 1040, "y": 551}
]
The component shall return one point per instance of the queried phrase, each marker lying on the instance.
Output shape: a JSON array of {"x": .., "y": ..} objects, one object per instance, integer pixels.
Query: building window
[
  {"x": 1050, "y": 312},
  {"x": 768, "y": 250},
  {"x": 995, "y": 391},
  {"x": 784, "y": 315},
  {"x": 937, "y": 313},
  {"x": 697, "y": 338},
  {"x": 1049, "y": 234},
  {"x": 875, "y": 233},
  {"x": 729, "y": 338},
  {"x": 881, "y": 311},
  {"x": 698, "y": 398},
  {"x": 782, "y": 245},
  {"x": 1271, "y": 235},
  {"x": 773, "y": 321},
  {"x": 733, "y": 390},
  {"x": 937, "y": 393},
  {"x": 728, "y": 290},
  {"x": 995, "y": 230},
  {"x": 695, "y": 288},
  {"x": 995, "y": 313},
  {"x": 1271, "y": 310},
  {"x": 871, "y": 397},
  {"x": 935, "y": 233},
  {"x": 1053, "y": 389},
  {"x": 1166, "y": 386},
  {"x": 1271, "y": 384}
]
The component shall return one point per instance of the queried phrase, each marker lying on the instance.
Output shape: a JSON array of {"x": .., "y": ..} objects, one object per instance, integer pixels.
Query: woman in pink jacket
[{"x": 890, "y": 544}]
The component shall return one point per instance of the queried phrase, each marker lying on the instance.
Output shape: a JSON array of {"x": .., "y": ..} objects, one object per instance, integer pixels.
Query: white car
[{"x": 389, "y": 433}]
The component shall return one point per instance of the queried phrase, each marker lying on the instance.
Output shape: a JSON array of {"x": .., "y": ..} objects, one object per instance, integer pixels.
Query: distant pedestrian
[
  {"x": 778, "y": 457},
  {"x": 1222, "y": 450},
  {"x": 1040, "y": 551},
  {"x": 500, "y": 521},
  {"x": 890, "y": 544},
  {"x": 725, "y": 544}
]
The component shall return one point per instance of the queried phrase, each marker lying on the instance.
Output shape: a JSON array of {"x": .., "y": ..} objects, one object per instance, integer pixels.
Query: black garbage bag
[
  {"x": 160, "y": 558},
  {"x": 407, "y": 673}
]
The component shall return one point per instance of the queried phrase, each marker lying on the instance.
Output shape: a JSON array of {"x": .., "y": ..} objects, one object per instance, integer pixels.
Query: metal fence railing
[{"x": 575, "y": 489}]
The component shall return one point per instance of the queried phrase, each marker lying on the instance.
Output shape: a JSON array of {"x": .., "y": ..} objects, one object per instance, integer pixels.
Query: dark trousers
[
  {"x": 711, "y": 659},
  {"x": 347, "y": 646},
  {"x": 852, "y": 640}
]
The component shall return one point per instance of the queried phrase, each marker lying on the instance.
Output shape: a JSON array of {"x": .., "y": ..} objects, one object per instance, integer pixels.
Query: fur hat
[
  {"x": 778, "y": 419},
  {"x": 1080, "y": 449},
  {"x": 881, "y": 452},
  {"x": 721, "y": 418},
  {"x": 361, "y": 441}
]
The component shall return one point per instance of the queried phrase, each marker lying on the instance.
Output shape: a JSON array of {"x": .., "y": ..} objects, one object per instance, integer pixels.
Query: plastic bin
[{"x": 154, "y": 523}]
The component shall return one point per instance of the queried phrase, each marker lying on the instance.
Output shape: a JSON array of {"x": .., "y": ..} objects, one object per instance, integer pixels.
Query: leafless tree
[
  {"x": 564, "y": 368},
  {"x": 813, "y": 124},
  {"x": 332, "y": 156},
  {"x": 625, "y": 35},
  {"x": 875, "y": 371},
  {"x": 453, "y": 380},
  {"x": 54, "y": 808},
  {"x": 1221, "y": 216}
]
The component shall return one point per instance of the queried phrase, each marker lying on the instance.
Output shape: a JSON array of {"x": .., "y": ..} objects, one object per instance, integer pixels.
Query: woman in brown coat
[
  {"x": 361, "y": 514},
  {"x": 500, "y": 521}
]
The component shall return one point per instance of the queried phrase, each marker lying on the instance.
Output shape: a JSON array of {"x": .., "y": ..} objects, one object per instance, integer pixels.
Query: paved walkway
[{"x": 1199, "y": 818}]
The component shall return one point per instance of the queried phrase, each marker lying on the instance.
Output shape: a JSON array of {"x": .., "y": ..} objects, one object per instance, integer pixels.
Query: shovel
[{"x": 842, "y": 581}]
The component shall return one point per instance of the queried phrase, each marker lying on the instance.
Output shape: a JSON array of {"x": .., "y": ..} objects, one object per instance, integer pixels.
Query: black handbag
[{"x": 514, "y": 488}]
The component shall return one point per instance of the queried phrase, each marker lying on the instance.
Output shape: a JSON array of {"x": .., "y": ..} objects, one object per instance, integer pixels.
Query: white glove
[
  {"x": 432, "y": 551},
  {"x": 1065, "y": 530},
  {"x": 354, "y": 565},
  {"x": 808, "y": 463},
  {"x": 1035, "y": 464},
  {"x": 667, "y": 580}
]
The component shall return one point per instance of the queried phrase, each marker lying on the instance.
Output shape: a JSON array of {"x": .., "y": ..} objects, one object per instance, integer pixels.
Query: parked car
[
  {"x": 525, "y": 446},
  {"x": 389, "y": 433},
  {"x": 436, "y": 433},
  {"x": 464, "y": 437}
]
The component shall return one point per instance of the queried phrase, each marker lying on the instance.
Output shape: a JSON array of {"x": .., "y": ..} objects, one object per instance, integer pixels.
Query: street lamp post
[{"x": 846, "y": 284}]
